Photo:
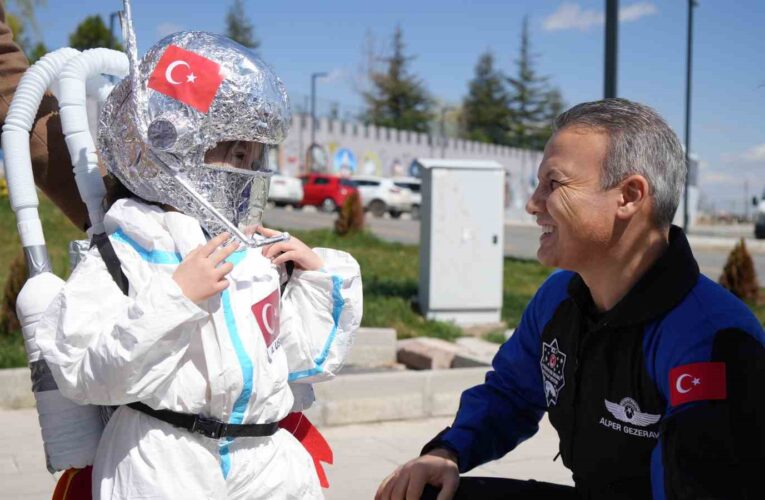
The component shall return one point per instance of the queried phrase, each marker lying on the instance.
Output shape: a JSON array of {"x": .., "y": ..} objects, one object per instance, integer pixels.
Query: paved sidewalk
[{"x": 364, "y": 455}]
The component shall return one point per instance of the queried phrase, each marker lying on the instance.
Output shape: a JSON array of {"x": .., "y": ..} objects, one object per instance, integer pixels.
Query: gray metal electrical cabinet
[{"x": 461, "y": 240}]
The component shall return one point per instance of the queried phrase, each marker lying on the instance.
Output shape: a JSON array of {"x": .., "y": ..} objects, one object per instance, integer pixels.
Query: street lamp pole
[
  {"x": 688, "y": 61},
  {"x": 314, "y": 76},
  {"x": 612, "y": 38}
]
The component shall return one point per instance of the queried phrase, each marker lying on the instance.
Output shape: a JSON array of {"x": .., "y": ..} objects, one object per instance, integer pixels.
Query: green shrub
[{"x": 739, "y": 275}]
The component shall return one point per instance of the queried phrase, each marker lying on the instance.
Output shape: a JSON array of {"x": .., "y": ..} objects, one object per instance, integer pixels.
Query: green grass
[{"x": 390, "y": 275}]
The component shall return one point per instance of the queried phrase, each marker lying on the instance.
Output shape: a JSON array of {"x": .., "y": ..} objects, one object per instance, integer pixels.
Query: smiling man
[{"x": 651, "y": 374}]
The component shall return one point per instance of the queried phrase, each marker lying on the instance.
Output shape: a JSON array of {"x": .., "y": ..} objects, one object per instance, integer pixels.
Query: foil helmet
[{"x": 193, "y": 91}]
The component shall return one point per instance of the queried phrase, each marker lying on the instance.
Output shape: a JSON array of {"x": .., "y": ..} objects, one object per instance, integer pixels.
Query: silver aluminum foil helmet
[{"x": 192, "y": 91}]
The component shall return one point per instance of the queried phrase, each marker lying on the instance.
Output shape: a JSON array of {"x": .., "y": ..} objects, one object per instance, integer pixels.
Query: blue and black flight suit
[{"x": 607, "y": 382}]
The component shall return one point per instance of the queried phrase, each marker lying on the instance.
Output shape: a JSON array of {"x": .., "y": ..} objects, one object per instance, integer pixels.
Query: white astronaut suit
[{"x": 246, "y": 356}]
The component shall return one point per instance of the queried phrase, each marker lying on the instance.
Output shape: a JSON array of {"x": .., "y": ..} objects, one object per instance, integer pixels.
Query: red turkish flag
[
  {"x": 186, "y": 77},
  {"x": 697, "y": 382},
  {"x": 267, "y": 315}
]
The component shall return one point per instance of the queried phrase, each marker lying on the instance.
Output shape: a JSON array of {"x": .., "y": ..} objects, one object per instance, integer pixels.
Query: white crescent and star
[
  {"x": 264, "y": 317},
  {"x": 679, "y": 383},
  {"x": 169, "y": 72}
]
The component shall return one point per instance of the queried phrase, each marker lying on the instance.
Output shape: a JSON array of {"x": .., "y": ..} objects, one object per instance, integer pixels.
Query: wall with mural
[{"x": 348, "y": 148}]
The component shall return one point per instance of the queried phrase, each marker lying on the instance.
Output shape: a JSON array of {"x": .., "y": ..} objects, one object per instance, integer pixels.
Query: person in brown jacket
[{"x": 50, "y": 158}]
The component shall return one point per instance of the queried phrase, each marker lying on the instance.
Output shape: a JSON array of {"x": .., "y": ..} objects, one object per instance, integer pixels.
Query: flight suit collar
[{"x": 658, "y": 291}]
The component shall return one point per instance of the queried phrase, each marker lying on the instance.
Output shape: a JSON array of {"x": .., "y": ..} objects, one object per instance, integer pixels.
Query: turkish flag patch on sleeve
[
  {"x": 267, "y": 315},
  {"x": 187, "y": 77},
  {"x": 697, "y": 382}
]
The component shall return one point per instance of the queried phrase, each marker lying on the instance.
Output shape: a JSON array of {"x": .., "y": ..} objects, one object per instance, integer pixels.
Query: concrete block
[
  {"x": 372, "y": 409},
  {"x": 373, "y": 347},
  {"x": 16, "y": 388},
  {"x": 371, "y": 397},
  {"x": 425, "y": 353},
  {"x": 477, "y": 352},
  {"x": 446, "y": 386}
]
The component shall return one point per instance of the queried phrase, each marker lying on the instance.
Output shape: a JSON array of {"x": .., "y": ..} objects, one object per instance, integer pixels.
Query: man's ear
[{"x": 633, "y": 197}]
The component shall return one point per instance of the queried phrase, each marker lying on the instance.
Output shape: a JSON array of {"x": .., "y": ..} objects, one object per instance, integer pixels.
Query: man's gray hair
[{"x": 640, "y": 142}]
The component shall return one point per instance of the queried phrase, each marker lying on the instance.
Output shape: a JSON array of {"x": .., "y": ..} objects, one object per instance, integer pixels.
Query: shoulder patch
[{"x": 697, "y": 382}]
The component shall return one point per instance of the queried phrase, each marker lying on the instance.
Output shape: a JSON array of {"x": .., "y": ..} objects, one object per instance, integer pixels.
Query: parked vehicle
[
  {"x": 413, "y": 184},
  {"x": 285, "y": 190},
  {"x": 380, "y": 195},
  {"x": 325, "y": 191}
]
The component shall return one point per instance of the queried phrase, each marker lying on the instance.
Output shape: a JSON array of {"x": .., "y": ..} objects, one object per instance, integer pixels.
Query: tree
[
  {"x": 739, "y": 275},
  {"x": 239, "y": 28},
  {"x": 93, "y": 33},
  {"x": 530, "y": 103},
  {"x": 19, "y": 23},
  {"x": 37, "y": 52},
  {"x": 485, "y": 110},
  {"x": 396, "y": 98}
]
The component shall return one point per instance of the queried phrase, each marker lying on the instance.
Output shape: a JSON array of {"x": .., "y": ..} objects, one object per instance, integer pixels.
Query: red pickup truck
[{"x": 326, "y": 191}]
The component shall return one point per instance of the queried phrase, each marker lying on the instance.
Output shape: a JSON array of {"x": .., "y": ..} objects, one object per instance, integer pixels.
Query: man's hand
[
  {"x": 292, "y": 249},
  {"x": 438, "y": 468},
  {"x": 199, "y": 275}
]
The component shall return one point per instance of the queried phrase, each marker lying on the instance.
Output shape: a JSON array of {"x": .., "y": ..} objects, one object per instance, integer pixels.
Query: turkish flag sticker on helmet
[
  {"x": 186, "y": 77},
  {"x": 267, "y": 315},
  {"x": 697, "y": 382}
]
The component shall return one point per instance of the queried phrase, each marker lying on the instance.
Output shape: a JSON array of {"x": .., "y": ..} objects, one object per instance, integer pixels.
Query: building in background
[{"x": 348, "y": 148}]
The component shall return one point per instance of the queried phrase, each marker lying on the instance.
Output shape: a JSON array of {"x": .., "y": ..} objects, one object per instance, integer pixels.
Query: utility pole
[
  {"x": 314, "y": 76},
  {"x": 113, "y": 40},
  {"x": 688, "y": 61},
  {"x": 612, "y": 39}
]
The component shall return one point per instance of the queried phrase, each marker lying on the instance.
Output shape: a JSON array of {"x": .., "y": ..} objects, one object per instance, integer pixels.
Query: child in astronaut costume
[{"x": 204, "y": 329}]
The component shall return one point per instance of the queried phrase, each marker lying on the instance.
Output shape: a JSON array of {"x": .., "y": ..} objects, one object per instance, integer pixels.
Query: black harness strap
[
  {"x": 209, "y": 427},
  {"x": 108, "y": 255}
]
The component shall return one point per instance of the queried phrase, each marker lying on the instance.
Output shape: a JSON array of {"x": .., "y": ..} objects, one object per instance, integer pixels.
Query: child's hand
[
  {"x": 292, "y": 249},
  {"x": 199, "y": 276}
]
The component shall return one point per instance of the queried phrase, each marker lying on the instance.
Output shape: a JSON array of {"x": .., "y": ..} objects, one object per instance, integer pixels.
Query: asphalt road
[{"x": 520, "y": 240}]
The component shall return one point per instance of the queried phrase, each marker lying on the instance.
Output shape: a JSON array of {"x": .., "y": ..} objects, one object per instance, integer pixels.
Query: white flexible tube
[
  {"x": 15, "y": 141},
  {"x": 74, "y": 123},
  {"x": 70, "y": 432}
]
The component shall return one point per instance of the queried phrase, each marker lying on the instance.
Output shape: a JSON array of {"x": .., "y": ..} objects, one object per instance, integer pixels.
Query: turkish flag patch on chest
[
  {"x": 187, "y": 77},
  {"x": 697, "y": 382},
  {"x": 267, "y": 315}
]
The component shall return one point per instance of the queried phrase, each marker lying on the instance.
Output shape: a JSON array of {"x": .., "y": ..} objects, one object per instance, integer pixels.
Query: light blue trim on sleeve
[
  {"x": 152, "y": 256},
  {"x": 338, "y": 302}
]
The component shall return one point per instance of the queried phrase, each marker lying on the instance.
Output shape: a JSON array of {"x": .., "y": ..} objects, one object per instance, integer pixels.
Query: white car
[
  {"x": 285, "y": 190},
  {"x": 413, "y": 184},
  {"x": 380, "y": 195}
]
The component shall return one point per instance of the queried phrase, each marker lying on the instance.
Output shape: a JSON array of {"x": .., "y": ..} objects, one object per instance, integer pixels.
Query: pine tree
[
  {"x": 397, "y": 99},
  {"x": 92, "y": 33},
  {"x": 485, "y": 110},
  {"x": 239, "y": 28},
  {"x": 739, "y": 275},
  {"x": 530, "y": 104}
]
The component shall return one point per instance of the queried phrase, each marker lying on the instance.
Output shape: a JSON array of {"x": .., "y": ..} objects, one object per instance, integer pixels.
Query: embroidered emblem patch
[
  {"x": 627, "y": 410},
  {"x": 552, "y": 363}
]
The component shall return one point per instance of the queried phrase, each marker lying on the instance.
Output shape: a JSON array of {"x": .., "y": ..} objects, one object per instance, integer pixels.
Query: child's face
[{"x": 246, "y": 155}]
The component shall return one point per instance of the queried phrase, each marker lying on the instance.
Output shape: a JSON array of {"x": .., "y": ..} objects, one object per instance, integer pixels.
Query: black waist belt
[{"x": 208, "y": 426}]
